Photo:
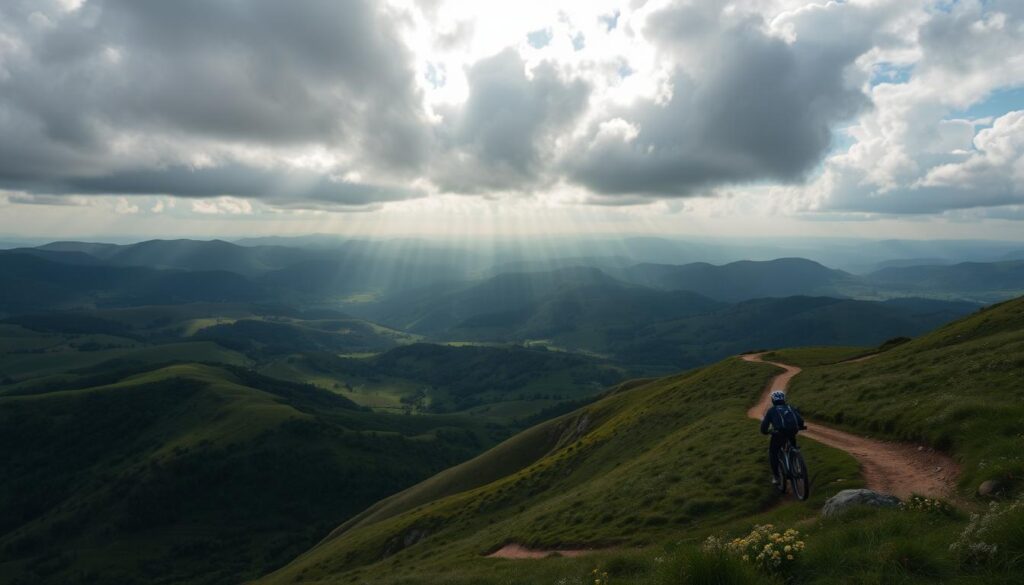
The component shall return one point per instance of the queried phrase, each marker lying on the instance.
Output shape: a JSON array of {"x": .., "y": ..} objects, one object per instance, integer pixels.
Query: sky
[{"x": 465, "y": 118}]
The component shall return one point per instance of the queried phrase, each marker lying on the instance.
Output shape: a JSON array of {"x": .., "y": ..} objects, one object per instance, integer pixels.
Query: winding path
[{"x": 895, "y": 468}]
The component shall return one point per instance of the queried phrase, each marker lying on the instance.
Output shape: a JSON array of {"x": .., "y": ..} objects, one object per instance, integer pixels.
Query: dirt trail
[
  {"x": 895, "y": 468},
  {"x": 517, "y": 551}
]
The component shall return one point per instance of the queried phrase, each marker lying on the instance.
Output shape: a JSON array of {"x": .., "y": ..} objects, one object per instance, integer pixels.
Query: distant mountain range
[
  {"x": 327, "y": 267},
  {"x": 744, "y": 280},
  {"x": 967, "y": 277},
  {"x": 658, "y": 315}
]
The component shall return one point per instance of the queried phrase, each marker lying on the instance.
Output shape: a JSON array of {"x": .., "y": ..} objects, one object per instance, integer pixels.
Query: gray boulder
[
  {"x": 991, "y": 488},
  {"x": 847, "y": 499}
]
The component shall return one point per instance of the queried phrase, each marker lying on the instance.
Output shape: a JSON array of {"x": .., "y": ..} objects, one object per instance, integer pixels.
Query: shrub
[
  {"x": 995, "y": 531},
  {"x": 764, "y": 547},
  {"x": 927, "y": 505}
]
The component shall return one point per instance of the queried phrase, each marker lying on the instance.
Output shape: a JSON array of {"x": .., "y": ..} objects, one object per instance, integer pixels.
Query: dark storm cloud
[
  {"x": 756, "y": 108},
  {"x": 502, "y": 137},
  {"x": 272, "y": 185},
  {"x": 259, "y": 73}
]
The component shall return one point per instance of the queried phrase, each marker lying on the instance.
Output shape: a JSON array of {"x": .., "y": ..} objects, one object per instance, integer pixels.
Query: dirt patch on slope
[{"x": 517, "y": 551}]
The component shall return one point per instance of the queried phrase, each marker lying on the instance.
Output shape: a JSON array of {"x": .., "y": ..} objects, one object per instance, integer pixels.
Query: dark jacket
[{"x": 773, "y": 419}]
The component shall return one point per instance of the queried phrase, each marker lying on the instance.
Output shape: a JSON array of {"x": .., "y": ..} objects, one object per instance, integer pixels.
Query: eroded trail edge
[
  {"x": 900, "y": 469},
  {"x": 517, "y": 551}
]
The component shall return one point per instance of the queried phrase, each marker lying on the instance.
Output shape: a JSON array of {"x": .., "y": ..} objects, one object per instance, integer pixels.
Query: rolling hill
[
  {"x": 671, "y": 461},
  {"x": 197, "y": 474},
  {"x": 744, "y": 280},
  {"x": 194, "y": 255},
  {"x": 704, "y": 338},
  {"x": 586, "y": 310},
  {"x": 29, "y": 283},
  {"x": 988, "y": 280},
  {"x": 488, "y": 380},
  {"x": 508, "y": 296},
  {"x": 372, "y": 365},
  {"x": 630, "y": 470}
]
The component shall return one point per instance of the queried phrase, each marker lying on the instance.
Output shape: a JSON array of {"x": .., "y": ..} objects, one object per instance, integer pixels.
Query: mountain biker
[{"x": 782, "y": 422}]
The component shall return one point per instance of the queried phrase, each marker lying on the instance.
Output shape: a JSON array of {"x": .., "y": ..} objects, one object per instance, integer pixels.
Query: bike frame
[{"x": 789, "y": 448}]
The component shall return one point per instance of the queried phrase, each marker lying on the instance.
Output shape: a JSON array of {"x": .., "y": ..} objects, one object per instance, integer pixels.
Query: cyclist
[{"x": 783, "y": 422}]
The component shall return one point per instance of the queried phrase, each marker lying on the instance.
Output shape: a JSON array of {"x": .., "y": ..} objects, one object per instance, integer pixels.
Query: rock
[
  {"x": 847, "y": 499},
  {"x": 990, "y": 488}
]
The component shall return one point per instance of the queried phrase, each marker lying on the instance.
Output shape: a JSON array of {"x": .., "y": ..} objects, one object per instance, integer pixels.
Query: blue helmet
[{"x": 778, "y": 397}]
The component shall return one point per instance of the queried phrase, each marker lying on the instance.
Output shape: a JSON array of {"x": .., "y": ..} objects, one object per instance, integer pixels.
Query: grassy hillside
[
  {"x": 648, "y": 463},
  {"x": 197, "y": 474},
  {"x": 792, "y": 321},
  {"x": 441, "y": 378},
  {"x": 43, "y": 352},
  {"x": 957, "y": 389},
  {"x": 665, "y": 463}
]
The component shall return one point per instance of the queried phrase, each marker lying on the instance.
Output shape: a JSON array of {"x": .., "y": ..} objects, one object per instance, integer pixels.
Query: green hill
[
  {"x": 29, "y": 283},
  {"x": 986, "y": 280},
  {"x": 783, "y": 322},
  {"x": 643, "y": 464},
  {"x": 197, "y": 474},
  {"x": 659, "y": 331},
  {"x": 506, "y": 298},
  {"x": 958, "y": 389},
  {"x": 745, "y": 280},
  {"x": 193, "y": 255},
  {"x": 663, "y": 464},
  {"x": 498, "y": 381}
]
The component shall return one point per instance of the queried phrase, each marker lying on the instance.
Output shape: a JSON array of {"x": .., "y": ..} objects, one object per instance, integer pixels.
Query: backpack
[{"x": 788, "y": 421}]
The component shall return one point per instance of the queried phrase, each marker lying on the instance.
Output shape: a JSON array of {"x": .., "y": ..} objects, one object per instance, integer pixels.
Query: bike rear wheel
[
  {"x": 798, "y": 475},
  {"x": 780, "y": 476}
]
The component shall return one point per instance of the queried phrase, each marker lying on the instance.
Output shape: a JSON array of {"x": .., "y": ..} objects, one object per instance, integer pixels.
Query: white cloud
[
  {"x": 123, "y": 207},
  {"x": 222, "y": 206}
]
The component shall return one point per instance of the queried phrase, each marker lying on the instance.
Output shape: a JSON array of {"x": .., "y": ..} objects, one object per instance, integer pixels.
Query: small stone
[{"x": 990, "y": 488}]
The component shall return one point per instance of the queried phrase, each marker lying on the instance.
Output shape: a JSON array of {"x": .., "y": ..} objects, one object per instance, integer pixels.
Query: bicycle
[{"x": 793, "y": 468}]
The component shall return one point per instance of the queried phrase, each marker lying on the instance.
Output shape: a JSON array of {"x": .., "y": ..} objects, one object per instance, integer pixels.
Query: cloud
[
  {"x": 744, "y": 105},
  {"x": 861, "y": 106},
  {"x": 284, "y": 186},
  {"x": 222, "y": 206},
  {"x": 991, "y": 174},
  {"x": 915, "y": 152},
  {"x": 195, "y": 80},
  {"x": 504, "y": 136}
]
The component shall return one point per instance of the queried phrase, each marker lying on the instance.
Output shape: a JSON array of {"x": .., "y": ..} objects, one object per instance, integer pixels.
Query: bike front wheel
[{"x": 798, "y": 475}]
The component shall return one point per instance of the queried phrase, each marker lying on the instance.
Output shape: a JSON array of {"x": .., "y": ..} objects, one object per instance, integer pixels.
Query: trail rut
[{"x": 900, "y": 469}]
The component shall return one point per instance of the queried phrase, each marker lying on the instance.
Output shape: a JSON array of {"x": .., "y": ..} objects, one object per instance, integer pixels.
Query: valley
[{"x": 529, "y": 409}]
